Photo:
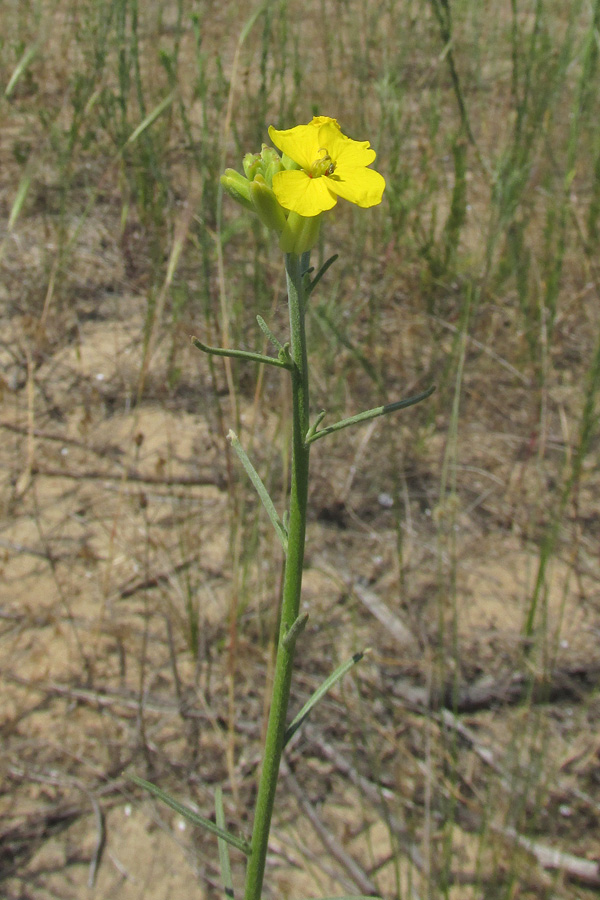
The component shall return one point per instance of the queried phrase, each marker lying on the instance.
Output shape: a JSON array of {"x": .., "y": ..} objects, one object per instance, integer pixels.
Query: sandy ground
[{"x": 116, "y": 523}]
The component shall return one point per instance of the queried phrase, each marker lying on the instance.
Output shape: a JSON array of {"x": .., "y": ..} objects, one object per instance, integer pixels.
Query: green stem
[{"x": 291, "y": 587}]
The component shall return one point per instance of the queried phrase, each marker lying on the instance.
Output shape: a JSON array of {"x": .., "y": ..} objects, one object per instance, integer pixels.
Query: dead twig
[
  {"x": 374, "y": 793},
  {"x": 96, "y": 475},
  {"x": 584, "y": 871},
  {"x": 390, "y": 621},
  {"x": 348, "y": 863}
]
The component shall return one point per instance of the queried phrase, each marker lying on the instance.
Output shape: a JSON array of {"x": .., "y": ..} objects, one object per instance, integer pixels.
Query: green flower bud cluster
[
  {"x": 254, "y": 191},
  {"x": 266, "y": 163}
]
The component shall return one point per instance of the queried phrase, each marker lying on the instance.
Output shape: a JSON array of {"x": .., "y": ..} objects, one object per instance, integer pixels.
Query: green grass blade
[
  {"x": 150, "y": 119},
  {"x": 194, "y": 818},
  {"x": 223, "y": 848},
  {"x": 318, "y": 694},
  {"x": 19, "y": 201},
  {"x": 21, "y": 67},
  {"x": 251, "y": 22}
]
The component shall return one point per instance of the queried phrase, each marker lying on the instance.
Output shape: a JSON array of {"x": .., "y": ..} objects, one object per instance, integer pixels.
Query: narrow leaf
[
  {"x": 318, "y": 694},
  {"x": 260, "y": 489},
  {"x": 267, "y": 331},
  {"x": 240, "y": 354},
  {"x": 223, "y": 848},
  {"x": 315, "y": 426},
  {"x": 320, "y": 274},
  {"x": 370, "y": 414},
  {"x": 295, "y": 631},
  {"x": 191, "y": 816}
]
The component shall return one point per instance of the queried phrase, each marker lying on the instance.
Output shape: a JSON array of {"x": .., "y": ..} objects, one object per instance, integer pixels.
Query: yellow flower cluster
[{"x": 319, "y": 164}]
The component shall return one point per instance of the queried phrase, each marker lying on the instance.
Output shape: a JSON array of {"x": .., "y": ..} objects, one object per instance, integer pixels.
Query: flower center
[{"x": 324, "y": 165}]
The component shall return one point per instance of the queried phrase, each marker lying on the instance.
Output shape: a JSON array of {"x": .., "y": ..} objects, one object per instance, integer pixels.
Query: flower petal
[
  {"x": 301, "y": 194},
  {"x": 317, "y": 121},
  {"x": 357, "y": 184},
  {"x": 343, "y": 150},
  {"x": 300, "y": 143}
]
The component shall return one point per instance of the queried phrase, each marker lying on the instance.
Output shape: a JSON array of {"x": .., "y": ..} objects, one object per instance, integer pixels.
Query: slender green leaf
[
  {"x": 329, "y": 262},
  {"x": 260, "y": 489},
  {"x": 296, "y": 630},
  {"x": 318, "y": 694},
  {"x": 267, "y": 331},
  {"x": 191, "y": 816},
  {"x": 240, "y": 354},
  {"x": 369, "y": 414}
]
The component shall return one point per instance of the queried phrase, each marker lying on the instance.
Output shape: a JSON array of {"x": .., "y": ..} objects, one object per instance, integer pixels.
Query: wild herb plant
[{"x": 289, "y": 194}]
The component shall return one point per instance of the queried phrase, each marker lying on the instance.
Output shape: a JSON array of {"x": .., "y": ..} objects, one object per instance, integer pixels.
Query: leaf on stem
[
  {"x": 281, "y": 362},
  {"x": 296, "y": 630},
  {"x": 318, "y": 694},
  {"x": 260, "y": 489},
  {"x": 267, "y": 331},
  {"x": 315, "y": 426},
  {"x": 314, "y": 435},
  {"x": 326, "y": 265},
  {"x": 191, "y": 816}
]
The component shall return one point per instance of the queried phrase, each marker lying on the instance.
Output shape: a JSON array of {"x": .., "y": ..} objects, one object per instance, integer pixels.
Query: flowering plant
[{"x": 289, "y": 194}]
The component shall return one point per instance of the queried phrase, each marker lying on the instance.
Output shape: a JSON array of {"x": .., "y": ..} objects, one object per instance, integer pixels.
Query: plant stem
[{"x": 291, "y": 587}]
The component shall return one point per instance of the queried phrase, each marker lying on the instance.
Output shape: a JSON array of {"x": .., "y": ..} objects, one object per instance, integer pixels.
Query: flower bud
[
  {"x": 271, "y": 169},
  {"x": 252, "y": 164},
  {"x": 237, "y": 187},
  {"x": 266, "y": 205},
  {"x": 271, "y": 163},
  {"x": 269, "y": 154}
]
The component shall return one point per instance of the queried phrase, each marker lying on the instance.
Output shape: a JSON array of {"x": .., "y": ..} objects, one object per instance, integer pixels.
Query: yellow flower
[{"x": 331, "y": 166}]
